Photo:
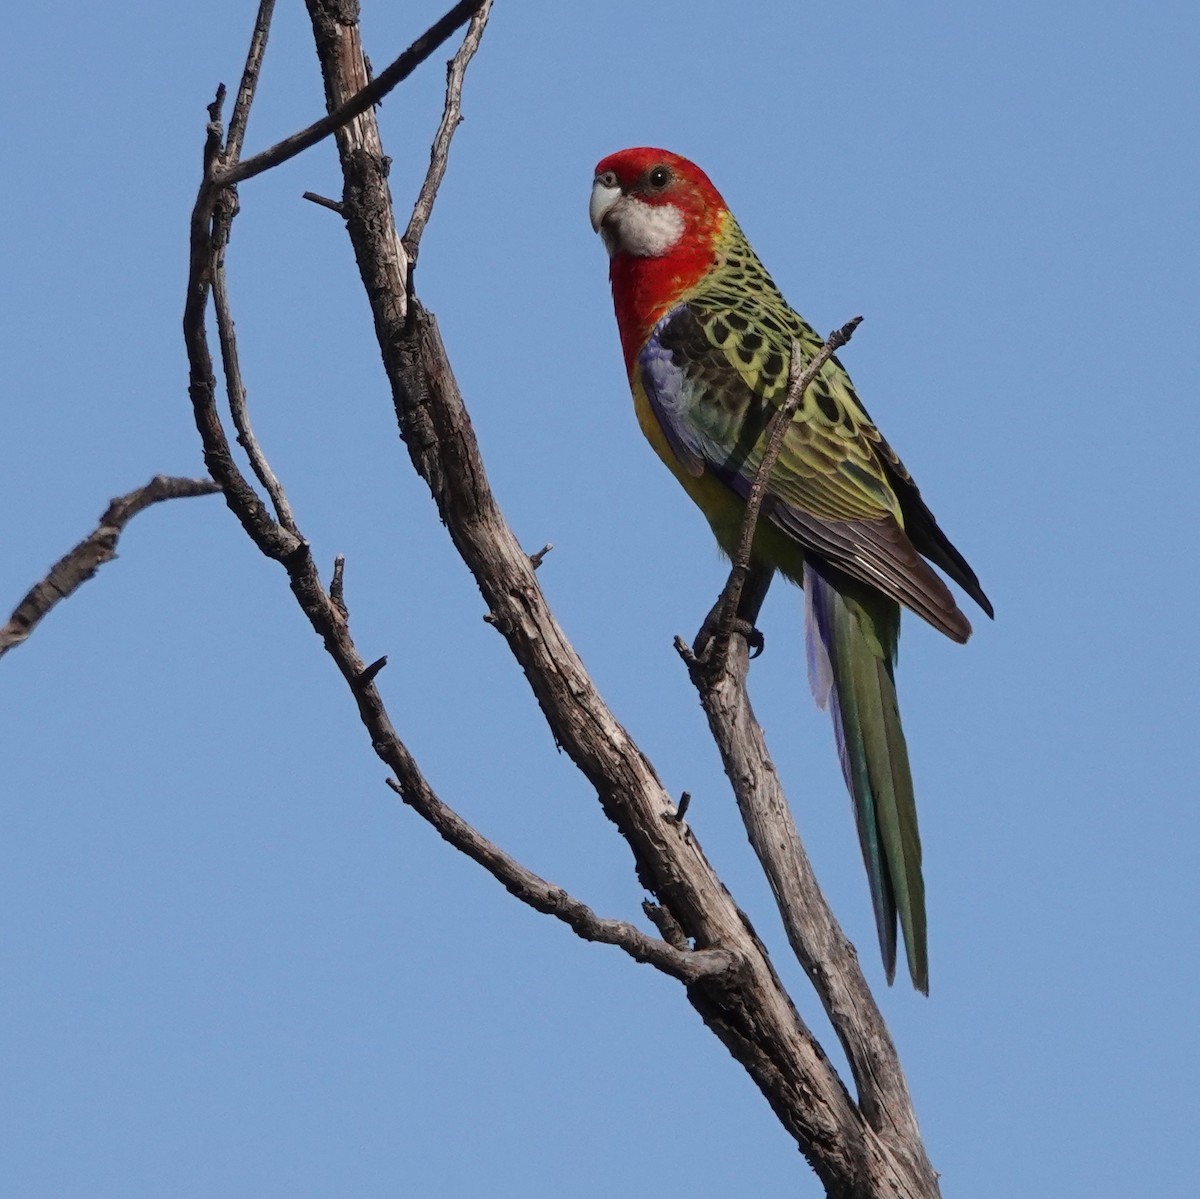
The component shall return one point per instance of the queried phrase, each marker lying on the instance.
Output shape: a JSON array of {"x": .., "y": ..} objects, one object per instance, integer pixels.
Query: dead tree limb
[
  {"x": 100, "y": 546},
  {"x": 327, "y": 611},
  {"x": 747, "y": 1008},
  {"x": 362, "y": 99},
  {"x": 439, "y": 152},
  {"x": 862, "y": 1150},
  {"x": 816, "y": 938},
  {"x": 827, "y": 956}
]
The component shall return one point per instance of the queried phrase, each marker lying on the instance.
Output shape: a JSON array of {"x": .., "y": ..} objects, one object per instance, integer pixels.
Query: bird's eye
[{"x": 659, "y": 178}]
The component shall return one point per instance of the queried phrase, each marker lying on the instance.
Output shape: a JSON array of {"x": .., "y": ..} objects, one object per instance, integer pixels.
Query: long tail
[{"x": 851, "y": 634}]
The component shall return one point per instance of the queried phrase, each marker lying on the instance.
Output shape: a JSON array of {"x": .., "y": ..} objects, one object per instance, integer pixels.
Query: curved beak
[{"x": 602, "y": 202}]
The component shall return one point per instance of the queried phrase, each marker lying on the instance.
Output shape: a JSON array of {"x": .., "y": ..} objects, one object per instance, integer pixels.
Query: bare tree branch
[
  {"x": 226, "y": 207},
  {"x": 99, "y": 547},
  {"x": 240, "y": 116},
  {"x": 323, "y": 202},
  {"x": 359, "y": 102},
  {"x": 235, "y": 391},
  {"x": 209, "y": 230},
  {"x": 736, "y": 990},
  {"x": 687, "y": 965},
  {"x": 824, "y": 951},
  {"x": 328, "y": 615},
  {"x": 439, "y": 152},
  {"x": 749, "y": 1011},
  {"x": 860, "y": 1152},
  {"x": 828, "y": 957}
]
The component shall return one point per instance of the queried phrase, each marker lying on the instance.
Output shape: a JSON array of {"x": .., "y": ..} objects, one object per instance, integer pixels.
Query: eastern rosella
[{"x": 708, "y": 341}]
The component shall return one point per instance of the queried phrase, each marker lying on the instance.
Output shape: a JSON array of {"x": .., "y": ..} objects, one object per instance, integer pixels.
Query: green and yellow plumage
[{"x": 708, "y": 342}]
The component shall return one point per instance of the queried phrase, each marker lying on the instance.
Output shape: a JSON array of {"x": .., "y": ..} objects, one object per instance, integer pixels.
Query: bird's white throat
[{"x": 631, "y": 226}]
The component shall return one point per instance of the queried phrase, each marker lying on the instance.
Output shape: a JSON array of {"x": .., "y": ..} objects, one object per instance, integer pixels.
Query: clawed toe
[{"x": 708, "y": 631}]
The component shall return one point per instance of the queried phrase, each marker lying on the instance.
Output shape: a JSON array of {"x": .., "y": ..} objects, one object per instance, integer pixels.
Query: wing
[
  {"x": 926, "y": 534},
  {"x": 716, "y": 372}
]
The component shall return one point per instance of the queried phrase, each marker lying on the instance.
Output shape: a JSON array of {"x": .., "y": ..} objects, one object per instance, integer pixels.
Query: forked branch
[
  {"x": 712, "y": 947},
  {"x": 439, "y": 152},
  {"x": 749, "y": 1010},
  {"x": 280, "y": 539},
  {"x": 816, "y": 938},
  {"x": 358, "y": 102}
]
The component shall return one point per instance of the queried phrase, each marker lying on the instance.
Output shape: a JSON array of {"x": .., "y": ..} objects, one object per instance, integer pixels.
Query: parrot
[{"x": 708, "y": 339}]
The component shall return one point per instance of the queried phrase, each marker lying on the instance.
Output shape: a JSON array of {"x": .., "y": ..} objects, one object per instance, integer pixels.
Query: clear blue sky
[{"x": 231, "y": 963}]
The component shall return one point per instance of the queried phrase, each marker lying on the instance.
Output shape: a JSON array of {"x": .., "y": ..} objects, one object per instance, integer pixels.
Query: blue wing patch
[{"x": 665, "y": 383}]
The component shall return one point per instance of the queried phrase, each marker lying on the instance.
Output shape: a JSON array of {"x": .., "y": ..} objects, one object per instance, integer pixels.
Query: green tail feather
[{"x": 852, "y": 638}]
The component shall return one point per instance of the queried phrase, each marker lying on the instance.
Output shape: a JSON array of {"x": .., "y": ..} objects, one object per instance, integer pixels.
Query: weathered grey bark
[
  {"x": 73, "y": 569},
  {"x": 862, "y": 1149},
  {"x": 828, "y": 957},
  {"x": 875, "y": 1150}
]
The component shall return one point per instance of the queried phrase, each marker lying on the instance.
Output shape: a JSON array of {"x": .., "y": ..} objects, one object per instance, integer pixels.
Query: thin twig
[
  {"x": 816, "y": 938},
  {"x": 326, "y": 614},
  {"x": 677, "y": 960},
  {"x": 750, "y": 1012},
  {"x": 215, "y": 210},
  {"x": 235, "y": 392},
  {"x": 439, "y": 152},
  {"x": 369, "y": 672},
  {"x": 249, "y": 83},
  {"x": 357, "y": 104},
  {"x": 208, "y": 232},
  {"x": 800, "y": 376},
  {"x": 747, "y": 1007},
  {"x": 324, "y": 202},
  {"x": 99, "y": 547}
]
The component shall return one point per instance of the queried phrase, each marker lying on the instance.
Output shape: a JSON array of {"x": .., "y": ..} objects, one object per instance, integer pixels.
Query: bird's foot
[{"x": 706, "y": 638}]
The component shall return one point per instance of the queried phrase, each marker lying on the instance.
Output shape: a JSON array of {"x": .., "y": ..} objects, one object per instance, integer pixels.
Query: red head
[{"x": 659, "y": 216}]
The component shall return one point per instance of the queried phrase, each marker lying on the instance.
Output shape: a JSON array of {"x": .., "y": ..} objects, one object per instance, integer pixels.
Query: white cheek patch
[{"x": 644, "y": 230}]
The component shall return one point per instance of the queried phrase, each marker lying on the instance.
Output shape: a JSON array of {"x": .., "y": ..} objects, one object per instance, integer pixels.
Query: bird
[{"x": 707, "y": 339}]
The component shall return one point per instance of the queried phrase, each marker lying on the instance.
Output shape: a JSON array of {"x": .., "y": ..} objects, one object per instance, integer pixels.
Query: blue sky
[{"x": 232, "y": 964}]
